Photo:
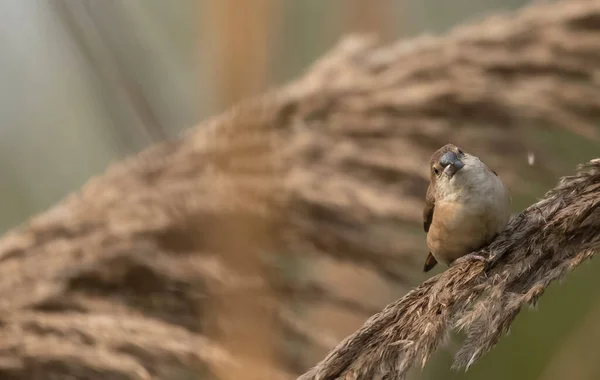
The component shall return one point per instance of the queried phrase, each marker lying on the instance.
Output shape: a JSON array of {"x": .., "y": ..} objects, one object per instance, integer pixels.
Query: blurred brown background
[{"x": 86, "y": 83}]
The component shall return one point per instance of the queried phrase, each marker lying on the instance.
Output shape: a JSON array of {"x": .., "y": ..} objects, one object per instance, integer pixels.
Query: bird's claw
[{"x": 469, "y": 257}]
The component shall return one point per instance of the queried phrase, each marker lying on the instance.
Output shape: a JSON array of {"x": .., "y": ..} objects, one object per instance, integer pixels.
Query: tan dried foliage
[{"x": 123, "y": 277}]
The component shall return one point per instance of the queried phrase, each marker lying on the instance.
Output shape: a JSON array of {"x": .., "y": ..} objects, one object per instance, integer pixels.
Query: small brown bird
[{"x": 466, "y": 206}]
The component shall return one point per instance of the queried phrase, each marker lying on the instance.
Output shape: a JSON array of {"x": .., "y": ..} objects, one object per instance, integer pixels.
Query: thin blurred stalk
[
  {"x": 378, "y": 17},
  {"x": 240, "y": 33},
  {"x": 89, "y": 24}
]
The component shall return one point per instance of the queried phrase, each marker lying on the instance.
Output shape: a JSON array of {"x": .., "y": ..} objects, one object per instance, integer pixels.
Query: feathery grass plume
[{"x": 540, "y": 245}]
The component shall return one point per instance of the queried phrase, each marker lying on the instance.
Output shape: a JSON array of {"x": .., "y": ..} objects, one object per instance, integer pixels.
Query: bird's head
[
  {"x": 446, "y": 162},
  {"x": 451, "y": 167}
]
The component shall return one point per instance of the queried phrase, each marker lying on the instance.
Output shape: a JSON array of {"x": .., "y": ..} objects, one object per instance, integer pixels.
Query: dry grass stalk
[{"x": 540, "y": 245}]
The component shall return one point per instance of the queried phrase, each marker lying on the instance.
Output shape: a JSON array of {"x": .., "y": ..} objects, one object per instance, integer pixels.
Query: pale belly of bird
[{"x": 466, "y": 227}]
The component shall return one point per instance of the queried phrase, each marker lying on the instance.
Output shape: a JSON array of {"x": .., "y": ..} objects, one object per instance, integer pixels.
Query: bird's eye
[
  {"x": 435, "y": 170},
  {"x": 460, "y": 151}
]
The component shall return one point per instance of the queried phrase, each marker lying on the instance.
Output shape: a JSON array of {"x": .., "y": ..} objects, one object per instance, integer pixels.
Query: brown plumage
[{"x": 466, "y": 205}]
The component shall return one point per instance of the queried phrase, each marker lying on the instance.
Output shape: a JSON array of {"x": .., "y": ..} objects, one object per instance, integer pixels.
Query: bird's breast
[{"x": 468, "y": 219}]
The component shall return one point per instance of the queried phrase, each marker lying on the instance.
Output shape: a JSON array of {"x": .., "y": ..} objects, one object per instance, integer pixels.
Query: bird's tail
[{"x": 430, "y": 262}]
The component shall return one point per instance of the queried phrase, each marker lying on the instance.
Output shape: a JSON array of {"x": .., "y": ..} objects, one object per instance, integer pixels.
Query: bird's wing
[
  {"x": 490, "y": 169},
  {"x": 428, "y": 210},
  {"x": 430, "y": 261}
]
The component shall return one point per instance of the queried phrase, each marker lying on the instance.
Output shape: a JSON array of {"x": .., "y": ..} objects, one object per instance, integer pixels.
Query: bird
[{"x": 466, "y": 206}]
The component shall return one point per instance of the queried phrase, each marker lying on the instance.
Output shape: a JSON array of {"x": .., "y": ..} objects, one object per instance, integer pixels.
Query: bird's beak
[{"x": 451, "y": 163}]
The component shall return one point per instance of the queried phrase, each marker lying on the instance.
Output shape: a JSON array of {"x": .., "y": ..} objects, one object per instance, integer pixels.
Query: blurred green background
[{"x": 85, "y": 83}]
